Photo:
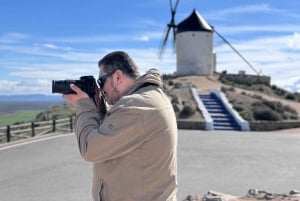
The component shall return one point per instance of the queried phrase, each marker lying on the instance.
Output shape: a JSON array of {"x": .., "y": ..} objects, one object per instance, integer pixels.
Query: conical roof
[{"x": 195, "y": 22}]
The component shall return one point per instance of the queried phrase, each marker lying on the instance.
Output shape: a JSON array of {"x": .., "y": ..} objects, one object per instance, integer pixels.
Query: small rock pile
[{"x": 253, "y": 195}]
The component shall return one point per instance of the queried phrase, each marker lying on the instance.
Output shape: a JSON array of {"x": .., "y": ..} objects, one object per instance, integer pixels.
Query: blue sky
[{"x": 41, "y": 41}]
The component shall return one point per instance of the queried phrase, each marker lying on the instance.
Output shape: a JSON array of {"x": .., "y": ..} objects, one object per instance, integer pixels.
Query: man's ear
[{"x": 119, "y": 76}]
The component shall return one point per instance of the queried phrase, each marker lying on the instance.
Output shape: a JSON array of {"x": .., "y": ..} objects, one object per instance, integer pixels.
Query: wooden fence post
[
  {"x": 8, "y": 133},
  {"x": 53, "y": 124},
  {"x": 71, "y": 123},
  {"x": 32, "y": 129}
]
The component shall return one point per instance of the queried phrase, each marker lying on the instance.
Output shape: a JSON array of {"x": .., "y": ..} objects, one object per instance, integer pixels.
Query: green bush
[
  {"x": 247, "y": 115},
  {"x": 266, "y": 114},
  {"x": 239, "y": 108}
]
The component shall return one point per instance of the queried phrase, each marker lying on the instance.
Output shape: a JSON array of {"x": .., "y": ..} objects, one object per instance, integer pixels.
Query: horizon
[{"x": 58, "y": 40}]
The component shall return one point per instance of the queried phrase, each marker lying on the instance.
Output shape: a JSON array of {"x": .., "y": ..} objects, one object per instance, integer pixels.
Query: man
[{"x": 133, "y": 147}]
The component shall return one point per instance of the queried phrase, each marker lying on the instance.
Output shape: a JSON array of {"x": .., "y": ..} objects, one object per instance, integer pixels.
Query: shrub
[
  {"x": 178, "y": 85},
  {"x": 274, "y": 105},
  {"x": 247, "y": 115},
  {"x": 274, "y": 87},
  {"x": 175, "y": 99},
  {"x": 171, "y": 82},
  {"x": 265, "y": 114},
  {"x": 291, "y": 96},
  {"x": 187, "y": 111},
  {"x": 224, "y": 89},
  {"x": 290, "y": 109},
  {"x": 239, "y": 108}
]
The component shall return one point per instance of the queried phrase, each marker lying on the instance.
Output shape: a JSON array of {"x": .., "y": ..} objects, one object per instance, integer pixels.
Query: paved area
[
  {"x": 234, "y": 162},
  {"x": 229, "y": 162}
]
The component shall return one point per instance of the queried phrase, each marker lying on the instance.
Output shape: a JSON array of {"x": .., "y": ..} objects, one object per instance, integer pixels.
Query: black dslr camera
[{"x": 85, "y": 83}]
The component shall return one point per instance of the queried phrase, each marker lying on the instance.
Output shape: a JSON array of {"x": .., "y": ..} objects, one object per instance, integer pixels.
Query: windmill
[{"x": 171, "y": 27}]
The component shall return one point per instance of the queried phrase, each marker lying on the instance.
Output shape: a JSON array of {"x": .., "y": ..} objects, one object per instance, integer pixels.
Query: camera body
[{"x": 85, "y": 83}]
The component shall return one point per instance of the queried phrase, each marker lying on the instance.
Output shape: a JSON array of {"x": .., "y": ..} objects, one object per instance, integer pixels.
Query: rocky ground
[{"x": 252, "y": 195}]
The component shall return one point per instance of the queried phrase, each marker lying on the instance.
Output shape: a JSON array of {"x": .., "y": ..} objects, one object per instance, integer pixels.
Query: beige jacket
[{"x": 134, "y": 149}]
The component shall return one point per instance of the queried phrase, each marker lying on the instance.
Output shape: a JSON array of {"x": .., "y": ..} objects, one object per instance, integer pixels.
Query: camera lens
[{"x": 62, "y": 86}]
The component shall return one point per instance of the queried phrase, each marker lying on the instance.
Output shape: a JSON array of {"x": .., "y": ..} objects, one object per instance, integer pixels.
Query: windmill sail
[
  {"x": 170, "y": 25},
  {"x": 238, "y": 53}
]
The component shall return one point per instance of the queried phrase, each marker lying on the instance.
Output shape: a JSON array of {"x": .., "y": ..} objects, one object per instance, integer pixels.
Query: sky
[{"x": 41, "y": 41}]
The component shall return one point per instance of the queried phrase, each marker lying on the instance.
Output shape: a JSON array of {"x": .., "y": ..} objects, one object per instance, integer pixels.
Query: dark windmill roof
[{"x": 195, "y": 22}]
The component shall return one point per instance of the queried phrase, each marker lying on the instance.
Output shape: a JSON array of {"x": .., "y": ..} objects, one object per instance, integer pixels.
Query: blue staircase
[{"x": 222, "y": 119}]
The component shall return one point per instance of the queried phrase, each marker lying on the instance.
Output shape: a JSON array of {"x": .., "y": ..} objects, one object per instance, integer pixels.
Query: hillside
[{"x": 255, "y": 102}]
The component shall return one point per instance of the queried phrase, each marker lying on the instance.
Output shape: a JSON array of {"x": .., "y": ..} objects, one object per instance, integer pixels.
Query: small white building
[{"x": 194, "y": 46}]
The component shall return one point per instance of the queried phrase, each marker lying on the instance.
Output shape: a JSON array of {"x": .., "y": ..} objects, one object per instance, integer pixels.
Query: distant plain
[{"x": 18, "y": 111}]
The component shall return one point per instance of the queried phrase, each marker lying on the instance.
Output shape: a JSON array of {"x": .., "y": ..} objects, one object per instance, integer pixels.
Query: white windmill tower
[
  {"x": 194, "y": 46},
  {"x": 193, "y": 38}
]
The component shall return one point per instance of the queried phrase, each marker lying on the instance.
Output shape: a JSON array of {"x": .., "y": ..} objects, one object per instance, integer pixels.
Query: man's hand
[
  {"x": 100, "y": 101},
  {"x": 73, "y": 98}
]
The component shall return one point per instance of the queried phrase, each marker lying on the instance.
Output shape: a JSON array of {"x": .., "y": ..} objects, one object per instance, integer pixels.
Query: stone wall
[
  {"x": 246, "y": 79},
  {"x": 254, "y": 125},
  {"x": 273, "y": 125},
  {"x": 188, "y": 124}
]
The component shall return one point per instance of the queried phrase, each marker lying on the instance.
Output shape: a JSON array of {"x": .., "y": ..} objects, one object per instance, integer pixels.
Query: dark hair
[{"x": 119, "y": 60}]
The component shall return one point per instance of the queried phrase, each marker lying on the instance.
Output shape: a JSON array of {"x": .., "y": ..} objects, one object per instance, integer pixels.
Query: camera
[{"x": 85, "y": 83}]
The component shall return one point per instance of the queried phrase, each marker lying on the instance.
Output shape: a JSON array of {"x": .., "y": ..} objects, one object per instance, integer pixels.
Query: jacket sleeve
[{"x": 119, "y": 133}]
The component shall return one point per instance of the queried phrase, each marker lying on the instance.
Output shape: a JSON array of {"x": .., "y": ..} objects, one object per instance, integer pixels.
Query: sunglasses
[{"x": 101, "y": 80}]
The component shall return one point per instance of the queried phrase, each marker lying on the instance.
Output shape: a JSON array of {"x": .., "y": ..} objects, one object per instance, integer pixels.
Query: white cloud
[
  {"x": 37, "y": 78},
  {"x": 54, "y": 71},
  {"x": 8, "y": 87},
  {"x": 254, "y": 8},
  {"x": 35, "y": 50},
  {"x": 274, "y": 56},
  {"x": 143, "y": 38},
  {"x": 12, "y": 37},
  {"x": 245, "y": 10},
  {"x": 53, "y": 47},
  {"x": 271, "y": 29},
  {"x": 294, "y": 42},
  {"x": 93, "y": 39}
]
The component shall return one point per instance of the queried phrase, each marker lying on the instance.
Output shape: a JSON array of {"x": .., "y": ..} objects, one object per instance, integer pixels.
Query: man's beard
[{"x": 115, "y": 94}]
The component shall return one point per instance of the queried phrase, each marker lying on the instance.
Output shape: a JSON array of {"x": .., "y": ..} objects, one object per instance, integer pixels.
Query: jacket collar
[{"x": 151, "y": 77}]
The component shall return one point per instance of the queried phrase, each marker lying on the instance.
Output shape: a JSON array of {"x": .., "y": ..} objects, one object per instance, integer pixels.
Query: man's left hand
[{"x": 73, "y": 98}]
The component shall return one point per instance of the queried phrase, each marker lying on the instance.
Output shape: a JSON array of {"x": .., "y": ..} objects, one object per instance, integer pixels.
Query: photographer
[{"x": 133, "y": 146}]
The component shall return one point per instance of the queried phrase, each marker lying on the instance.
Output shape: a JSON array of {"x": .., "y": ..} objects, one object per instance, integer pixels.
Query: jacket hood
[{"x": 152, "y": 76}]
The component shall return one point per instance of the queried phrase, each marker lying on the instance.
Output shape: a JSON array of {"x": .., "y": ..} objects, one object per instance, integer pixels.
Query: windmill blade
[
  {"x": 235, "y": 50},
  {"x": 174, "y": 38},
  {"x": 173, "y": 12},
  {"x": 175, "y": 7},
  {"x": 164, "y": 41},
  {"x": 170, "y": 25}
]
